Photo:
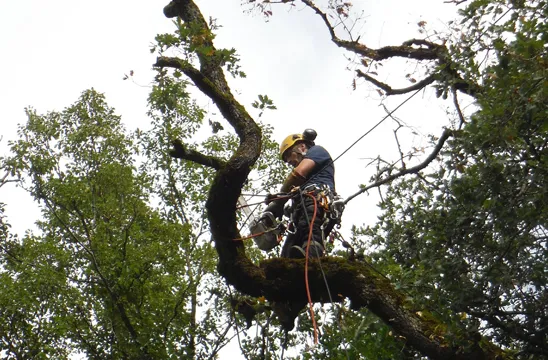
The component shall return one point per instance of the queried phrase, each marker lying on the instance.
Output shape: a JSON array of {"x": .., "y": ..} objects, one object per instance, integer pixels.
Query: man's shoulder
[{"x": 318, "y": 150}]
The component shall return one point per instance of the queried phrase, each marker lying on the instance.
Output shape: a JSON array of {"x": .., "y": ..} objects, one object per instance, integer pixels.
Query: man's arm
[
  {"x": 305, "y": 167},
  {"x": 297, "y": 177}
]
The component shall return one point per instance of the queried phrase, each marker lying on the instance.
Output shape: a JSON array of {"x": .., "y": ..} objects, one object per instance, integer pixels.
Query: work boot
[{"x": 315, "y": 251}]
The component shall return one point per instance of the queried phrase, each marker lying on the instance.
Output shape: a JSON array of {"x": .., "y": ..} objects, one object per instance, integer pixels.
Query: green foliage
[
  {"x": 28, "y": 330},
  {"x": 263, "y": 104},
  {"x": 486, "y": 27},
  {"x": 109, "y": 273},
  {"x": 190, "y": 41},
  {"x": 121, "y": 266},
  {"x": 349, "y": 334},
  {"x": 467, "y": 241}
]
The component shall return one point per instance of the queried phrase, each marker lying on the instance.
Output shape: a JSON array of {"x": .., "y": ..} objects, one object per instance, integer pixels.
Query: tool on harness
[
  {"x": 332, "y": 207},
  {"x": 336, "y": 209},
  {"x": 332, "y": 203},
  {"x": 268, "y": 231}
]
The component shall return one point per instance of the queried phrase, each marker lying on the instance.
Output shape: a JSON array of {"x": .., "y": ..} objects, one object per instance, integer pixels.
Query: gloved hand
[
  {"x": 276, "y": 208},
  {"x": 279, "y": 197}
]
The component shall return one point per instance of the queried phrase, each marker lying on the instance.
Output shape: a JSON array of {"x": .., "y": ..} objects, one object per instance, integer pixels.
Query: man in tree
[{"x": 311, "y": 185}]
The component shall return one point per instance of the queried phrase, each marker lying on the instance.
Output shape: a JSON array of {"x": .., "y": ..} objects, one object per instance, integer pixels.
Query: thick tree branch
[
  {"x": 179, "y": 151},
  {"x": 413, "y": 170},
  {"x": 364, "y": 287},
  {"x": 227, "y": 184},
  {"x": 208, "y": 82}
]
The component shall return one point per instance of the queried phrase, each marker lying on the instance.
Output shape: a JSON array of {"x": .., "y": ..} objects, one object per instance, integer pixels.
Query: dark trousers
[{"x": 302, "y": 216}]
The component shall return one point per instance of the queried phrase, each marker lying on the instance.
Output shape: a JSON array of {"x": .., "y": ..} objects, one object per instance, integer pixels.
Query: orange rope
[
  {"x": 306, "y": 269},
  {"x": 255, "y": 235},
  {"x": 251, "y": 236}
]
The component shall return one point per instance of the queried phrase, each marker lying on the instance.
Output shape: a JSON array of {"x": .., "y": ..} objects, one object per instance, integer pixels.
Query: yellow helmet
[
  {"x": 288, "y": 143},
  {"x": 307, "y": 136}
]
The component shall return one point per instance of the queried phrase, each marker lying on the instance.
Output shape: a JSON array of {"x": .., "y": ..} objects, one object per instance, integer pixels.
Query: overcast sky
[{"x": 53, "y": 50}]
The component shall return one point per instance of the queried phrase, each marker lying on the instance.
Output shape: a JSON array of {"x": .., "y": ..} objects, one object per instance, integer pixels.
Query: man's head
[
  {"x": 296, "y": 154},
  {"x": 294, "y": 147}
]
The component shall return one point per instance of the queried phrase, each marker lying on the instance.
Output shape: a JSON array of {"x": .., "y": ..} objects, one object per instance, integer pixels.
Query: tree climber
[{"x": 313, "y": 175}]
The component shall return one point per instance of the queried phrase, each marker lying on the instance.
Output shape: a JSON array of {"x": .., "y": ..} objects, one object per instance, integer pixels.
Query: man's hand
[
  {"x": 276, "y": 207},
  {"x": 270, "y": 197}
]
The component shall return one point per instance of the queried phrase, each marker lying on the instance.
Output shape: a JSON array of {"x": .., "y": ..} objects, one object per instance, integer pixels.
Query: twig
[
  {"x": 390, "y": 91},
  {"x": 415, "y": 169},
  {"x": 459, "y": 111}
]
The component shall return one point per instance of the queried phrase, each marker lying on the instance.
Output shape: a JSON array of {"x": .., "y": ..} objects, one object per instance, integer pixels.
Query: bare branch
[
  {"x": 399, "y": 147},
  {"x": 416, "y": 49},
  {"x": 3, "y": 179},
  {"x": 459, "y": 111},
  {"x": 390, "y": 91},
  {"x": 323, "y": 15},
  {"x": 406, "y": 51},
  {"x": 413, "y": 170}
]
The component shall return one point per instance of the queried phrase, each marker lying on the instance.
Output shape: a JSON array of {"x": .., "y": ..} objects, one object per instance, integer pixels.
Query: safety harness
[{"x": 267, "y": 232}]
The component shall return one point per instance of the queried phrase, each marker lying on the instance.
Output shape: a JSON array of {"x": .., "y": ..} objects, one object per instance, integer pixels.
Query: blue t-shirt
[{"x": 324, "y": 171}]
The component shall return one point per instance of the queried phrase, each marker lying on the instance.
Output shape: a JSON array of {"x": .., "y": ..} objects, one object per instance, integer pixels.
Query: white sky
[{"x": 53, "y": 50}]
